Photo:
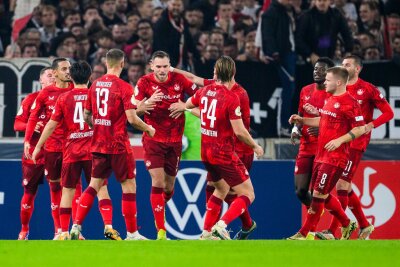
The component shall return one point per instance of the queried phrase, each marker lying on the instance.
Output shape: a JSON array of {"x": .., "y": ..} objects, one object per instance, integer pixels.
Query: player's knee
[
  {"x": 103, "y": 193},
  {"x": 343, "y": 185},
  {"x": 129, "y": 186}
]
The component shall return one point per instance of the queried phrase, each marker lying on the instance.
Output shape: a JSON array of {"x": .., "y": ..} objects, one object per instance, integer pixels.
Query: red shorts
[
  {"x": 246, "y": 159},
  {"x": 234, "y": 173},
  {"x": 123, "y": 165},
  {"x": 32, "y": 176},
  {"x": 53, "y": 165},
  {"x": 325, "y": 177},
  {"x": 304, "y": 164},
  {"x": 71, "y": 173},
  {"x": 162, "y": 155},
  {"x": 352, "y": 164}
]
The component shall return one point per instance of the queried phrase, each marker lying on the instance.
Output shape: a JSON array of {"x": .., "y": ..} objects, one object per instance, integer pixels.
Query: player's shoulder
[
  {"x": 177, "y": 76},
  {"x": 307, "y": 88}
]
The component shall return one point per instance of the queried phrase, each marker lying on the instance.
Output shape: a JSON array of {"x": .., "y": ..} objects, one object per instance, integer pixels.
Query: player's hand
[
  {"x": 177, "y": 109},
  {"x": 36, "y": 151},
  {"x": 145, "y": 106},
  {"x": 369, "y": 127},
  {"x": 310, "y": 109},
  {"x": 27, "y": 147},
  {"x": 295, "y": 135},
  {"x": 296, "y": 119},
  {"x": 156, "y": 96},
  {"x": 313, "y": 131},
  {"x": 38, "y": 126},
  {"x": 333, "y": 144},
  {"x": 259, "y": 151},
  {"x": 151, "y": 131}
]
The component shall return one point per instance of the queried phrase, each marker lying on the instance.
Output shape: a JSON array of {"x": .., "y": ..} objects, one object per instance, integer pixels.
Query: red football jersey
[
  {"x": 69, "y": 111},
  {"x": 23, "y": 117},
  {"x": 45, "y": 102},
  {"x": 245, "y": 110},
  {"x": 108, "y": 98},
  {"x": 218, "y": 106},
  {"x": 174, "y": 88},
  {"x": 369, "y": 97},
  {"x": 310, "y": 94},
  {"x": 339, "y": 115}
]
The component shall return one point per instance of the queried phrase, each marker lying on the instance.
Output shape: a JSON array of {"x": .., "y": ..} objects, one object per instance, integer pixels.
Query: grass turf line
[{"x": 200, "y": 253}]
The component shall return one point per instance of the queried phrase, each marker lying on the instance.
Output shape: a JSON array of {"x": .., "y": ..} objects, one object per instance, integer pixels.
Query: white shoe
[
  {"x": 219, "y": 229},
  {"x": 75, "y": 232},
  {"x": 135, "y": 236},
  {"x": 206, "y": 235},
  {"x": 57, "y": 234}
]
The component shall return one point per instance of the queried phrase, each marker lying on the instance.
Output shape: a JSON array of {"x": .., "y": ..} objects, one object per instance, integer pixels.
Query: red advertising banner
[{"x": 377, "y": 183}]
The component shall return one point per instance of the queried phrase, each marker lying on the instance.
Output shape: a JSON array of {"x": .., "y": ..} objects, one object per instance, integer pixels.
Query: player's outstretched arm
[
  {"x": 136, "y": 122},
  {"x": 48, "y": 130},
  {"x": 244, "y": 136},
  {"x": 196, "y": 79},
  {"x": 87, "y": 117},
  {"x": 350, "y": 136}
]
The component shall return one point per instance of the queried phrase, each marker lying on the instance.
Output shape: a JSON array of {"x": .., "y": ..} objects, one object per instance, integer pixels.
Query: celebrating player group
[{"x": 70, "y": 129}]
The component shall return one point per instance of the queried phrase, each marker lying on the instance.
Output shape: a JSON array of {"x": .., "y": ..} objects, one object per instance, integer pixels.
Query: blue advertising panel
[{"x": 275, "y": 209}]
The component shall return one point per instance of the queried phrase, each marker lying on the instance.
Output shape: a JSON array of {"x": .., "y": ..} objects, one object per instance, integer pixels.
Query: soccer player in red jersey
[
  {"x": 110, "y": 103},
  {"x": 369, "y": 97},
  {"x": 45, "y": 102},
  {"x": 313, "y": 94},
  {"x": 244, "y": 152},
  {"x": 220, "y": 117},
  {"x": 32, "y": 175},
  {"x": 163, "y": 152},
  {"x": 340, "y": 122},
  {"x": 76, "y": 154}
]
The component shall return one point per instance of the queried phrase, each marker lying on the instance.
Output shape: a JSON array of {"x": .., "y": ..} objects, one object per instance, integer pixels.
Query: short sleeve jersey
[
  {"x": 168, "y": 130},
  {"x": 45, "y": 103},
  {"x": 310, "y": 94},
  {"x": 108, "y": 98},
  {"x": 69, "y": 110},
  {"x": 218, "y": 106},
  {"x": 339, "y": 115},
  {"x": 23, "y": 116},
  {"x": 369, "y": 97}
]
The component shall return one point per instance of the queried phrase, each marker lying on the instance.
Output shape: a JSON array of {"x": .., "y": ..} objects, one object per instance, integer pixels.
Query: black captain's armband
[{"x": 352, "y": 135}]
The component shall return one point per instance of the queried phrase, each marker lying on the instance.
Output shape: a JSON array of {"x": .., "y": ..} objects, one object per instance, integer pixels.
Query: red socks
[
  {"x": 167, "y": 197},
  {"x": 355, "y": 207},
  {"x": 55, "y": 198},
  {"x": 85, "y": 203},
  {"x": 158, "y": 206},
  {"x": 106, "y": 210},
  {"x": 129, "y": 211},
  {"x": 238, "y": 207},
  {"x": 214, "y": 206},
  {"x": 333, "y": 205},
  {"x": 65, "y": 217},
  {"x": 317, "y": 205},
  {"x": 27, "y": 204},
  {"x": 245, "y": 217},
  {"x": 209, "y": 191},
  {"x": 75, "y": 200},
  {"x": 343, "y": 198}
]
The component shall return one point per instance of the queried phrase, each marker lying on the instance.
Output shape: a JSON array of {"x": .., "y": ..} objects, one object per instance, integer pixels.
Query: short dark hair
[
  {"x": 329, "y": 62},
  {"x": 56, "y": 61},
  {"x": 43, "y": 70},
  {"x": 159, "y": 54},
  {"x": 357, "y": 59},
  {"x": 340, "y": 72},
  {"x": 80, "y": 72},
  {"x": 28, "y": 45},
  {"x": 225, "y": 69},
  {"x": 114, "y": 56}
]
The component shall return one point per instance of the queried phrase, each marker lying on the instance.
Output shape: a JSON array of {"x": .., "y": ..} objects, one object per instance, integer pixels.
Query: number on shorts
[
  {"x": 323, "y": 179},
  {"x": 78, "y": 115},
  {"x": 209, "y": 111},
  {"x": 102, "y": 99},
  {"x": 348, "y": 165}
]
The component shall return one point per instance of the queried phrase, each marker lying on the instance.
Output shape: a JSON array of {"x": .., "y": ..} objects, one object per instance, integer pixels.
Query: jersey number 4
[
  {"x": 102, "y": 99},
  {"x": 78, "y": 115},
  {"x": 209, "y": 111}
]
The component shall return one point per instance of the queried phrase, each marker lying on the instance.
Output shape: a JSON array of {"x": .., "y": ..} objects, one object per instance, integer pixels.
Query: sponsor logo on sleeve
[
  {"x": 237, "y": 111},
  {"x": 20, "y": 111},
  {"x": 136, "y": 90},
  {"x": 359, "y": 118}
]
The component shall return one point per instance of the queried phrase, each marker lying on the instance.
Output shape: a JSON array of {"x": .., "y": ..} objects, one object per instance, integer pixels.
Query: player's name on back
[
  {"x": 81, "y": 135},
  {"x": 103, "y": 84},
  {"x": 102, "y": 122},
  {"x": 209, "y": 132}
]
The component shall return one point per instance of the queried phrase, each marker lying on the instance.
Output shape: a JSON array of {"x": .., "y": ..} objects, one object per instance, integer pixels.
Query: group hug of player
[{"x": 85, "y": 130}]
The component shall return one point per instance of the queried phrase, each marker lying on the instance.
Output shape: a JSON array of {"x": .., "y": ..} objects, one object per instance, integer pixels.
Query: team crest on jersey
[
  {"x": 194, "y": 86},
  {"x": 237, "y": 111},
  {"x": 177, "y": 87},
  {"x": 148, "y": 163},
  {"x": 360, "y": 91},
  {"x": 155, "y": 87},
  {"x": 20, "y": 111},
  {"x": 336, "y": 105},
  {"x": 136, "y": 90}
]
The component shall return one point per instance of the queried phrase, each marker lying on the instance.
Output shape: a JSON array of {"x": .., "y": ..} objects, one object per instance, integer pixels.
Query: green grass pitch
[{"x": 200, "y": 253}]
